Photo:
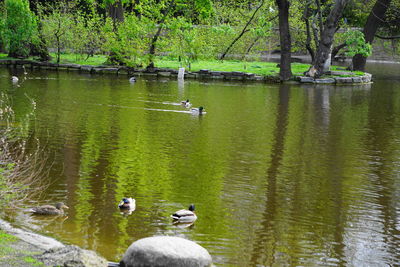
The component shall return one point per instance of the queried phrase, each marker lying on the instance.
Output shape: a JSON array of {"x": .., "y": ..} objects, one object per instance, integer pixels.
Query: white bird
[
  {"x": 127, "y": 204},
  {"x": 198, "y": 111},
  {"x": 132, "y": 79},
  {"x": 14, "y": 79},
  {"x": 25, "y": 73},
  {"x": 185, "y": 215}
]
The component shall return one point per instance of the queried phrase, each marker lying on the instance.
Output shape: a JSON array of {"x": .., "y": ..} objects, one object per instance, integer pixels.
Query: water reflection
[{"x": 280, "y": 175}]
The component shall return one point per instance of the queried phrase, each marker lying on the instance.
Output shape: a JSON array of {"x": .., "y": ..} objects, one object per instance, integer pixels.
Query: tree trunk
[
  {"x": 374, "y": 20},
  {"x": 336, "y": 49},
  {"x": 306, "y": 18},
  {"x": 58, "y": 49},
  {"x": 284, "y": 34},
  {"x": 327, "y": 36},
  {"x": 116, "y": 12},
  {"x": 152, "y": 50}
]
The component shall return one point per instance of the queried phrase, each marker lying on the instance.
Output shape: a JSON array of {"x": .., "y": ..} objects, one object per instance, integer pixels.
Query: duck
[
  {"x": 185, "y": 216},
  {"x": 197, "y": 111},
  {"x": 58, "y": 209},
  {"x": 132, "y": 79},
  {"x": 186, "y": 103},
  {"x": 14, "y": 79},
  {"x": 127, "y": 204}
]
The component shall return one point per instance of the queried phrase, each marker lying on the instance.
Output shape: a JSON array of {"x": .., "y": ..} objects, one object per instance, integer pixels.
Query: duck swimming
[
  {"x": 14, "y": 79},
  {"x": 127, "y": 204},
  {"x": 198, "y": 111},
  {"x": 58, "y": 209},
  {"x": 185, "y": 215},
  {"x": 186, "y": 103},
  {"x": 132, "y": 79}
]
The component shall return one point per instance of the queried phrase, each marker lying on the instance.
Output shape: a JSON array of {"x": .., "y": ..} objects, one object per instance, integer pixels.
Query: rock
[
  {"x": 325, "y": 80},
  {"x": 71, "y": 256},
  {"x": 167, "y": 251},
  {"x": 191, "y": 75},
  {"x": 164, "y": 73},
  {"x": 304, "y": 79},
  {"x": 215, "y": 73},
  {"x": 237, "y": 73},
  {"x": 357, "y": 80},
  {"x": 344, "y": 80}
]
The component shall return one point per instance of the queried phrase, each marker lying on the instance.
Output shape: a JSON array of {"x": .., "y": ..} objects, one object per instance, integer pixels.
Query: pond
[{"x": 281, "y": 175}]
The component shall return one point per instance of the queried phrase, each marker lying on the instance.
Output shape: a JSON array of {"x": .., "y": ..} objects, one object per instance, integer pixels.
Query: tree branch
[
  {"x": 244, "y": 30},
  {"x": 387, "y": 37}
]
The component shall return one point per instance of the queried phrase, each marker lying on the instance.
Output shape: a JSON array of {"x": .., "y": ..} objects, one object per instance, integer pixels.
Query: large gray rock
[
  {"x": 166, "y": 251},
  {"x": 72, "y": 256}
]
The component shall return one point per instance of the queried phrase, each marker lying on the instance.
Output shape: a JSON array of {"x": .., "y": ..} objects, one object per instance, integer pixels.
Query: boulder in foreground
[{"x": 167, "y": 251}]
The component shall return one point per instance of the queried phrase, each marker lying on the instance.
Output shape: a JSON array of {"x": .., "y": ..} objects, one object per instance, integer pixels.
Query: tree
[
  {"x": 375, "y": 18},
  {"x": 19, "y": 29},
  {"x": 284, "y": 34},
  {"x": 244, "y": 30},
  {"x": 327, "y": 32},
  {"x": 162, "y": 11},
  {"x": 57, "y": 27}
]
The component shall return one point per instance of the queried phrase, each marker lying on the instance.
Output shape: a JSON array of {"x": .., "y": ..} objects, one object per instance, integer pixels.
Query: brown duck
[{"x": 49, "y": 209}]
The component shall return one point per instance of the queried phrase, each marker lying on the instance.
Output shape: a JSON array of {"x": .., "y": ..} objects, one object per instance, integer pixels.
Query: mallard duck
[
  {"x": 14, "y": 79},
  {"x": 186, "y": 103},
  {"x": 49, "y": 209},
  {"x": 197, "y": 111},
  {"x": 185, "y": 215},
  {"x": 132, "y": 79},
  {"x": 127, "y": 204}
]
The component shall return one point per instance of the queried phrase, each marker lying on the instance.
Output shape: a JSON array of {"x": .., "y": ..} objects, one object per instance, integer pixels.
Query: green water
[{"x": 281, "y": 175}]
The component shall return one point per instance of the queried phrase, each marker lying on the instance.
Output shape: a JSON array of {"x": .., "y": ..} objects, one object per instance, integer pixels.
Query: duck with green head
[
  {"x": 198, "y": 111},
  {"x": 185, "y": 216}
]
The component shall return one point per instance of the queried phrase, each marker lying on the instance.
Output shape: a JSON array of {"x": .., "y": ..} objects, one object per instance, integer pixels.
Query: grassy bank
[
  {"x": 13, "y": 252},
  {"x": 256, "y": 67}
]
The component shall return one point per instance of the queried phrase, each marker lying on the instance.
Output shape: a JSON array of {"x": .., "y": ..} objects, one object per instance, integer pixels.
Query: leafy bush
[
  {"x": 19, "y": 28},
  {"x": 356, "y": 44},
  {"x": 129, "y": 41}
]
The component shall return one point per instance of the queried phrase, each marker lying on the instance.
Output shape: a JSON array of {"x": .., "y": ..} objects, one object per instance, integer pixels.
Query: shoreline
[
  {"x": 28, "y": 249},
  {"x": 335, "y": 78}
]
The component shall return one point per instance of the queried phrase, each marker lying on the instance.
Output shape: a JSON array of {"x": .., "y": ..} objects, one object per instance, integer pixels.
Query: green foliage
[
  {"x": 131, "y": 40},
  {"x": 87, "y": 35},
  {"x": 57, "y": 27},
  {"x": 183, "y": 40},
  {"x": 18, "y": 28},
  {"x": 356, "y": 44}
]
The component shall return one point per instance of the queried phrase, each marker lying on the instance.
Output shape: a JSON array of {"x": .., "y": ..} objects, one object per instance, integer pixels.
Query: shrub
[
  {"x": 19, "y": 28},
  {"x": 21, "y": 172}
]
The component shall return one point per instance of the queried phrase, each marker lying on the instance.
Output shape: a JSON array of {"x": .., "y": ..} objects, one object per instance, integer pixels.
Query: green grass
[
  {"x": 71, "y": 58},
  {"x": 256, "y": 67},
  {"x": 79, "y": 59},
  {"x": 6, "y": 238},
  {"x": 33, "y": 261}
]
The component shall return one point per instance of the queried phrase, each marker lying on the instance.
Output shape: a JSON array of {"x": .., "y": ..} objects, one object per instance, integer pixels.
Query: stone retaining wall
[{"x": 172, "y": 73}]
